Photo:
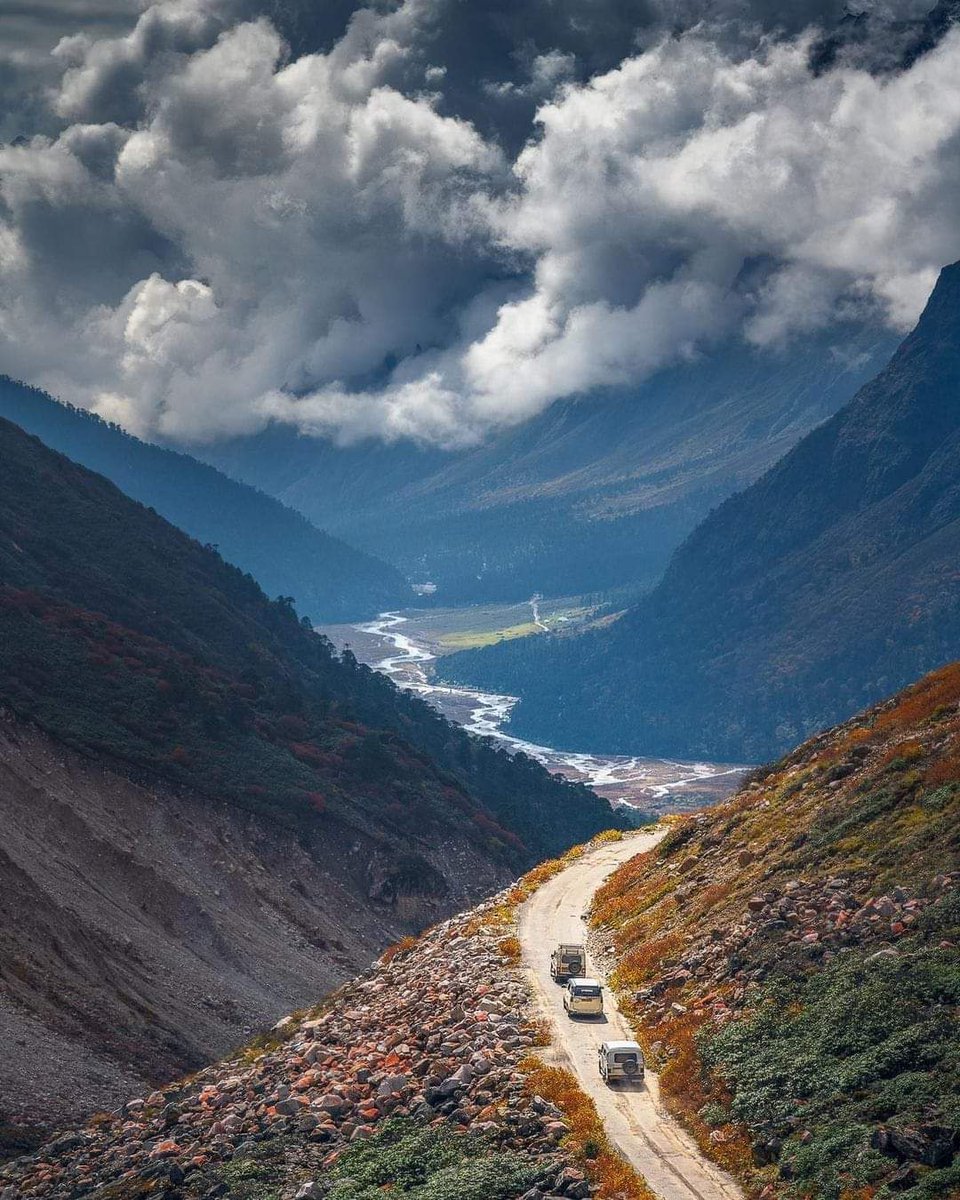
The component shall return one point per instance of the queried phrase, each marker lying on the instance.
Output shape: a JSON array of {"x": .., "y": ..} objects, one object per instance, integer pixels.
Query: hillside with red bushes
[{"x": 791, "y": 960}]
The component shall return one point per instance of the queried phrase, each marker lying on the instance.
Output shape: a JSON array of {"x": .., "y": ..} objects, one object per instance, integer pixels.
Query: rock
[
  {"x": 310, "y": 1191},
  {"x": 880, "y": 955},
  {"x": 392, "y": 1085},
  {"x": 745, "y": 858}
]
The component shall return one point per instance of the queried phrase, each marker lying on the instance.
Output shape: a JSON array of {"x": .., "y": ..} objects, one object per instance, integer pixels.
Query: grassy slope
[{"x": 791, "y": 959}]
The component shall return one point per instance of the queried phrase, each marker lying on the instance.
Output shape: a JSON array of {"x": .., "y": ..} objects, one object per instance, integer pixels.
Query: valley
[{"x": 404, "y": 645}]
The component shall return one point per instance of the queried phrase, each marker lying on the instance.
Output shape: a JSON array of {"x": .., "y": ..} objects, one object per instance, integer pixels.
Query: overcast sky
[{"x": 433, "y": 218}]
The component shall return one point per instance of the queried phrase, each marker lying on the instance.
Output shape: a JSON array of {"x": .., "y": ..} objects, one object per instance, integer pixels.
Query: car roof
[
  {"x": 620, "y": 1046},
  {"x": 585, "y": 982}
]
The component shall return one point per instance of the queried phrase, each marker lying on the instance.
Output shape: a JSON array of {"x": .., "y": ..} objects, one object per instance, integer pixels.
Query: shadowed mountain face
[
  {"x": 123, "y": 637},
  {"x": 593, "y": 494},
  {"x": 828, "y": 583},
  {"x": 208, "y": 815},
  {"x": 288, "y": 556}
]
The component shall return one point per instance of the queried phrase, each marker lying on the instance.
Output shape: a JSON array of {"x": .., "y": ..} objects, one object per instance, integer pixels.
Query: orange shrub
[
  {"x": 715, "y": 894},
  {"x": 939, "y": 689},
  {"x": 404, "y": 946},
  {"x": 946, "y": 768},
  {"x": 641, "y": 963},
  {"x": 509, "y": 947},
  {"x": 614, "y": 1178},
  {"x": 686, "y": 1087},
  {"x": 910, "y": 751}
]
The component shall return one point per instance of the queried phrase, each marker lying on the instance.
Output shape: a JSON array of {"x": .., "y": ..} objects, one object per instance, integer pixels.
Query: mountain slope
[
  {"x": 414, "y": 1080},
  {"x": 287, "y": 555},
  {"x": 594, "y": 493},
  {"x": 828, "y": 583},
  {"x": 790, "y": 959},
  {"x": 122, "y": 635},
  {"x": 144, "y": 930},
  {"x": 230, "y": 817}
]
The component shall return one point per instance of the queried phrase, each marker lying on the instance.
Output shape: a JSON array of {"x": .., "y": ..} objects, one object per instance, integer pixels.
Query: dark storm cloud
[{"x": 434, "y": 218}]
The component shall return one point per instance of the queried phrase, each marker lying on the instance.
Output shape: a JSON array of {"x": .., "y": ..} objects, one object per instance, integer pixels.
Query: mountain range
[
  {"x": 208, "y": 813},
  {"x": 286, "y": 554},
  {"x": 788, "y": 961},
  {"x": 593, "y": 494},
  {"x": 825, "y": 585}
]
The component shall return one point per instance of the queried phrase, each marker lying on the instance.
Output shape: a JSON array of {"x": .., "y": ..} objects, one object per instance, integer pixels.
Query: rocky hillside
[
  {"x": 208, "y": 814},
  {"x": 828, "y": 584},
  {"x": 329, "y": 580},
  {"x": 792, "y": 959},
  {"x": 144, "y": 931},
  {"x": 415, "y": 1080}
]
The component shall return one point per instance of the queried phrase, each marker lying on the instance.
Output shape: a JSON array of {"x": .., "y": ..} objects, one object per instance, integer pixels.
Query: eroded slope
[{"x": 144, "y": 931}]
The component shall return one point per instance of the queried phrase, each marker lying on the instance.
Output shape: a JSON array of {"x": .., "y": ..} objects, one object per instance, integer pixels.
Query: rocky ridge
[
  {"x": 821, "y": 918},
  {"x": 434, "y": 1033}
]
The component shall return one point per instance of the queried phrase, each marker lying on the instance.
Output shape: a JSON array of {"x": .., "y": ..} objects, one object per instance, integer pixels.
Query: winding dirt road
[{"x": 636, "y": 1123}]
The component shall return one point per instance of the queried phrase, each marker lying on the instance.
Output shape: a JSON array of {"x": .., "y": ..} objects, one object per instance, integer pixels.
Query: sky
[{"x": 431, "y": 219}]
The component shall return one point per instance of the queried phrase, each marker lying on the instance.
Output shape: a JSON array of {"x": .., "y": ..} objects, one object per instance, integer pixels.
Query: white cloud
[{"x": 223, "y": 237}]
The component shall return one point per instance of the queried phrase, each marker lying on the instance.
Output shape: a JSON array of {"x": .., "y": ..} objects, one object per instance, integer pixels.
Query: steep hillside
[
  {"x": 595, "y": 493},
  {"x": 231, "y": 815},
  {"x": 288, "y": 556},
  {"x": 144, "y": 931},
  {"x": 791, "y": 959},
  {"x": 416, "y": 1079},
  {"x": 827, "y": 584},
  {"x": 121, "y": 636}
]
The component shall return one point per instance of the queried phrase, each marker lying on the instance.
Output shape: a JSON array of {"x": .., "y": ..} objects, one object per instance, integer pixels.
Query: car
[
  {"x": 567, "y": 961},
  {"x": 583, "y": 997},
  {"x": 619, "y": 1061}
]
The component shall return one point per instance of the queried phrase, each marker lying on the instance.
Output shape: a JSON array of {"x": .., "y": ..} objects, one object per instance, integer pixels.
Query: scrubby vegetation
[
  {"x": 408, "y": 1159},
  {"x": 791, "y": 961},
  {"x": 124, "y": 638},
  {"x": 404, "y": 1158},
  {"x": 844, "y": 1072}
]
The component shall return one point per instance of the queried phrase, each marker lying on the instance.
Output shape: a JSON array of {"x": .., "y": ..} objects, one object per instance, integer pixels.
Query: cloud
[{"x": 225, "y": 232}]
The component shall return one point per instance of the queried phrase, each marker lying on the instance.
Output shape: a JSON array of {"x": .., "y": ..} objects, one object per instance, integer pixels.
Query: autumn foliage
[{"x": 612, "y": 1175}]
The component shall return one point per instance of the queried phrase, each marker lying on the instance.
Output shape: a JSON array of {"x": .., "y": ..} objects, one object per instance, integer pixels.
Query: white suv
[
  {"x": 620, "y": 1060},
  {"x": 583, "y": 998}
]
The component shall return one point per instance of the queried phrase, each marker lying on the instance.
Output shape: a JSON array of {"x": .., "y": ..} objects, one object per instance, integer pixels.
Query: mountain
[
  {"x": 593, "y": 494},
  {"x": 790, "y": 961},
  {"x": 208, "y": 814},
  {"x": 288, "y": 556},
  {"x": 828, "y": 583}
]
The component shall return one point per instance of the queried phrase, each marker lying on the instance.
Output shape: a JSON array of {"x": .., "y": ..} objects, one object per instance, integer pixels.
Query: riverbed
[{"x": 403, "y": 645}]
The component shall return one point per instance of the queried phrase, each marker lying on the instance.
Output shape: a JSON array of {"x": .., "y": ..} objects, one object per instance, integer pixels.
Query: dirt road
[{"x": 636, "y": 1123}]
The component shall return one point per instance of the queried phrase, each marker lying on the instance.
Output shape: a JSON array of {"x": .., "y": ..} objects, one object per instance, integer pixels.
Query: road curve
[{"x": 635, "y": 1121}]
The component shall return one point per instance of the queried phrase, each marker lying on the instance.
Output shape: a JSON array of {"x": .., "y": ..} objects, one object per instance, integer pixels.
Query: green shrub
[
  {"x": 406, "y": 1158},
  {"x": 829, "y": 1056}
]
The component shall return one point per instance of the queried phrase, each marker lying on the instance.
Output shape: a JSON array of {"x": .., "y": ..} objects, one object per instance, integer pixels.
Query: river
[{"x": 392, "y": 645}]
